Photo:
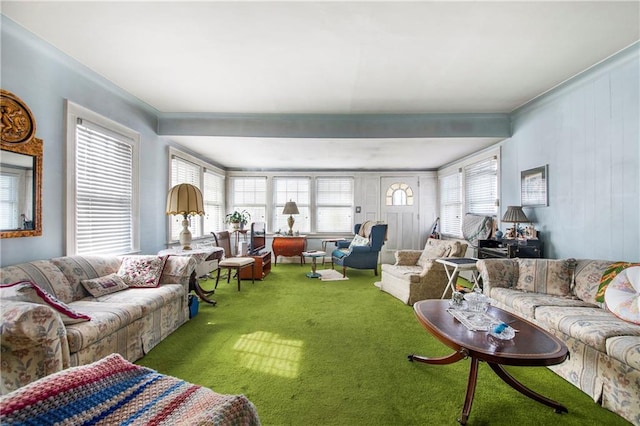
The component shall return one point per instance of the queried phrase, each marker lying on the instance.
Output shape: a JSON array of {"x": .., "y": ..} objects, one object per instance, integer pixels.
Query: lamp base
[
  {"x": 290, "y": 222},
  {"x": 185, "y": 235}
]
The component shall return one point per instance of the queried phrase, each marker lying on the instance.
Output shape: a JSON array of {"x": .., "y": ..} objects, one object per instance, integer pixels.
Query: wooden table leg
[
  {"x": 449, "y": 359},
  {"x": 511, "y": 381},
  {"x": 471, "y": 390},
  {"x": 195, "y": 286}
]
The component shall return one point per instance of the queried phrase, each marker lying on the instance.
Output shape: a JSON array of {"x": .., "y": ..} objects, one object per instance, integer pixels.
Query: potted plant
[{"x": 238, "y": 219}]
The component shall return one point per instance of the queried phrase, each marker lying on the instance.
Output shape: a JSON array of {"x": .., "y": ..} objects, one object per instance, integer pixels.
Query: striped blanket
[{"x": 114, "y": 391}]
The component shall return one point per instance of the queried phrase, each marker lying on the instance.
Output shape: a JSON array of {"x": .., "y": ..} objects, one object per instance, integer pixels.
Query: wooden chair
[{"x": 230, "y": 263}]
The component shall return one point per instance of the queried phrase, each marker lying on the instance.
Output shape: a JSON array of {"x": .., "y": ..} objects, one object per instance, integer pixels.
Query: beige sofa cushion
[
  {"x": 587, "y": 278},
  {"x": 591, "y": 326},
  {"x": 545, "y": 276},
  {"x": 435, "y": 249}
]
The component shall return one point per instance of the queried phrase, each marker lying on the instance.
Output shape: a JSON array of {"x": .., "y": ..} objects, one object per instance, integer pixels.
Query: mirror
[{"x": 20, "y": 170}]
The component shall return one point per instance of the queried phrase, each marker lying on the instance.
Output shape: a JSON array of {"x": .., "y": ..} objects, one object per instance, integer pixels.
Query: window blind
[
  {"x": 213, "y": 195},
  {"x": 183, "y": 171},
  {"x": 9, "y": 201},
  {"x": 334, "y": 204},
  {"x": 297, "y": 189},
  {"x": 450, "y": 188},
  {"x": 104, "y": 190},
  {"x": 250, "y": 194},
  {"x": 481, "y": 187}
]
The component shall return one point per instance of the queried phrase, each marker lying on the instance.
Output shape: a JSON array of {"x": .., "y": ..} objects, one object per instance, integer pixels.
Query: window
[
  {"x": 250, "y": 194},
  {"x": 183, "y": 171},
  {"x": 481, "y": 187},
  {"x": 399, "y": 194},
  {"x": 292, "y": 189},
  {"x": 9, "y": 183},
  {"x": 102, "y": 172},
  {"x": 334, "y": 204},
  {"x": 450, "y": 189},
  {"x": 213, "y": 195},
  {"x": 188, "y": 169}
]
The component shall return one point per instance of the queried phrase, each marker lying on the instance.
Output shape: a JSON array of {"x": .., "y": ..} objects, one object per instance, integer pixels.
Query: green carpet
[{"x": 308, "y": 352}]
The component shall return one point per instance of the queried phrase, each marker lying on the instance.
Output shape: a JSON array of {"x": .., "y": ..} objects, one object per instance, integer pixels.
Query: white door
[{"x": 400, "y": 209}]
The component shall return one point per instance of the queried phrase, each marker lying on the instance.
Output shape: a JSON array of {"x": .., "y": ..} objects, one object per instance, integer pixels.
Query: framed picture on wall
[{"x": 534, "y": 185}]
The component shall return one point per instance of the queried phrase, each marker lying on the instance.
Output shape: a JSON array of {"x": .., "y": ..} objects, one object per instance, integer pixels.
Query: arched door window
[{"x": 399, "y": 194}]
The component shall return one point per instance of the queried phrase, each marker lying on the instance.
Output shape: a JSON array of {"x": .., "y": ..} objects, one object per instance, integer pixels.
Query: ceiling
[{"x": 334, "y": 58}]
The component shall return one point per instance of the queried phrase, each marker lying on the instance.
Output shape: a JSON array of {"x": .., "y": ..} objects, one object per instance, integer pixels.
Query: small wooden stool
[{"x": 236, "y": 264}]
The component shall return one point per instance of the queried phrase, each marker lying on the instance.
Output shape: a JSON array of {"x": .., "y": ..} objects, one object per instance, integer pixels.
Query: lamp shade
[
  {"x": 515, "y": 214},
  {"x": 185, "y": 199},
  {"x": 290, "y": 208}
]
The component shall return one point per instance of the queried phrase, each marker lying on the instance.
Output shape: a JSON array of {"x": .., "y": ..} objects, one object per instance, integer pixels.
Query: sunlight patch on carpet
[{"x": 269, "y": 353}]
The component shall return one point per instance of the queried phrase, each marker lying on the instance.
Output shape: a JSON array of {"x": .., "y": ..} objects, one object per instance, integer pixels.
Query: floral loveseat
[
  {"x": 416, "y": 275},
  {"x": 67, "y": 326},
  {"x": 563, "y": 297}
]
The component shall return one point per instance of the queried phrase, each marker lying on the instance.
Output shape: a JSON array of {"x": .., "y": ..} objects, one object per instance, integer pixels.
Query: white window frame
[
  {"x": 491, "y": 153},
  {"x": 302, "y": 220},
  {"x": 199, "y": 223},
  {"x": 258, "y": 209},
  {"x": 344, "y": 208},
  {"x": 450, "y": 223},
  {"x": 73, "y": 113},
  {"x": 481, "y": 187}
]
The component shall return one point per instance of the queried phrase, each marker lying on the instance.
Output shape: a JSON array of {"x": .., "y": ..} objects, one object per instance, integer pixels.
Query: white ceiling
[{"x": 334, "y": 58}]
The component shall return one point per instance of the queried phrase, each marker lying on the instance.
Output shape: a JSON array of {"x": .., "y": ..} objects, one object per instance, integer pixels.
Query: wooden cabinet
[
  {"x": 260, "y": 269},
  {"x": 288, "y": 247},
  {"x": 488, "y": 249}
]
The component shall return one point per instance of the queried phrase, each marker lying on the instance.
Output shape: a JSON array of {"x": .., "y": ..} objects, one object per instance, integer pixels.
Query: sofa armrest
[
  {"x": 178, "y": 270},
  {"x": 497, "y": 273},
  {"x": 407, "y": 257},
  {"x": 34, "y": 343},
  {"x": 343, "y": 244}
]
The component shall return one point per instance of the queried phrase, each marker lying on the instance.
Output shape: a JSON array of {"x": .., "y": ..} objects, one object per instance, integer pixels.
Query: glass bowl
[{"x": 501, "y": 331}]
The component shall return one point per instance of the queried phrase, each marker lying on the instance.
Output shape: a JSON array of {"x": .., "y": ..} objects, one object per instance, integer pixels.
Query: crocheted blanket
[{"x": 115, "y": 391}]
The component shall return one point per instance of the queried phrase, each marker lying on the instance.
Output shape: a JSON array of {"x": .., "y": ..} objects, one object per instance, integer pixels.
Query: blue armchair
[{"x": 360, "y": 257}]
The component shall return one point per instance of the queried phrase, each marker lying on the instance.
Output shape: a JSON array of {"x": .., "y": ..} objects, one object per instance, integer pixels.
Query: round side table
[{"x": 314, "y": 254}]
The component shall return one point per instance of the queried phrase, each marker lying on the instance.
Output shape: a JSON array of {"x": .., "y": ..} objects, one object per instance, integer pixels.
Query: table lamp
[
  {"x": 514, "y": 214},
  {"x": 186, "y": 200},
  {"x": 290, "y": 208}
]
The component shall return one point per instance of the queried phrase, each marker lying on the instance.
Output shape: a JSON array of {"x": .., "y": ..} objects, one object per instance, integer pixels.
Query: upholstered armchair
[
  {"x": 416, "y": 275},
  {"x": 361, "y": 252}
]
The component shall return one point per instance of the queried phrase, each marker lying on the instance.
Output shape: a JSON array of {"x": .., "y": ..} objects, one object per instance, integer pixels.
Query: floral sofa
[
  {"x": 565, "y": 297},
  {"x": 74, "y": 310},
  {"x": 416, "y": 275}
]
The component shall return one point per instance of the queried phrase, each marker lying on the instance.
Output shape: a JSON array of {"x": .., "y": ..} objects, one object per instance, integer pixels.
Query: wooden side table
[{"x": 288, "y": 247}]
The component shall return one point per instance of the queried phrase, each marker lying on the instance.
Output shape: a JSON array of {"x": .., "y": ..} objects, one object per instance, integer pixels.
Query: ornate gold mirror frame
[{"x": 22, "y": 151}]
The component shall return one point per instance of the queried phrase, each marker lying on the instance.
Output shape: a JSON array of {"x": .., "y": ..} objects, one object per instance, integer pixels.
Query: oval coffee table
[{"x": 531, "y": 346}]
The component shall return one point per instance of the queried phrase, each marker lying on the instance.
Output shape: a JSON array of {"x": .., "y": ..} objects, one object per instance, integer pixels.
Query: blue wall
[
  {"x": 44, "y": 77},
  {"x": 588, "y": 132}
]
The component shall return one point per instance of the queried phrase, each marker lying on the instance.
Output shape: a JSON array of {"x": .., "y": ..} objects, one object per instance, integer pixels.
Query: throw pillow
[
  {"x": 104, "y": 285},
  {"x": 27, "y": 291},
  {"x": 622, "y": 295},
  {"x": 142, "y": 271},
  {"x": 608, "y": 275},
  {"x": 546, "y": 276},
  {"x": 359, "y": 241}
]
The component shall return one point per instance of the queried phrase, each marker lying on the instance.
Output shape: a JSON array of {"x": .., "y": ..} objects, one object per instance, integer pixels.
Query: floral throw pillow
[
  {"x": 622, "y": 295},
  {"x": 104, "y": 285},
  {"x": 27, "y": 291},
  {"x": 142, "y": 271},
  {"x": 359, "y": 240}
]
